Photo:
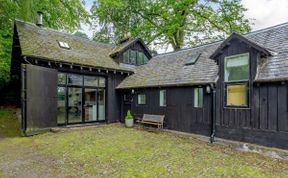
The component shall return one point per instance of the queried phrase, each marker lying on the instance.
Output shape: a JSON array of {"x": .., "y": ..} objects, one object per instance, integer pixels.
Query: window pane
[
  {"x": 198, "y": 97},
  {"x": 237, "y": 67},
  {"x": 145, "y": 59},
  {"x": 140, "y": 58},
  {"x": 133, "y": 56},
  {"x": 101, "y": 82},
  {"x": 237, "y": 95},
  {"x": 90, "y": 105},
  {"x": 91, "y": 81},
  {"x": 126, "y": 57},
  {"x": 162, "y": 97},
  {"x": 61, "y": 78},
  {"x": 74, "y": 79},
  {"x": 61, "y": 105},
  {"x": 141, "y": 99},
  {"x": 74, "y": 105},
  {"x": 101, "y": 104}
]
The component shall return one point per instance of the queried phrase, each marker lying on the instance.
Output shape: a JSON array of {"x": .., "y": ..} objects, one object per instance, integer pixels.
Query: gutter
[{"x": 213, "y": 128}]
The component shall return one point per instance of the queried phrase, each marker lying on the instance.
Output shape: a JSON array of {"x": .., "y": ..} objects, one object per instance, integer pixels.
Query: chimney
[
  {"x": 126, "y": 37},
  {"x": 39, "y": 19}
]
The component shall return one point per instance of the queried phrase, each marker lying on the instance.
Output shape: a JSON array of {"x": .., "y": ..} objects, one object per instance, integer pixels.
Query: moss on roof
[{"x": 40, "y": 42}]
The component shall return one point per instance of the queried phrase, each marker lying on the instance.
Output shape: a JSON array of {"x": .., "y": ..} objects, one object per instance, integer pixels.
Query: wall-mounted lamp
[{"x": 132, "y": 91}]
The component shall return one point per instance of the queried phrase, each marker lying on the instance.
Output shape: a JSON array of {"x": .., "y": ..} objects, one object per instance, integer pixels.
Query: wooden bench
[{"x": 157, "y": 120}]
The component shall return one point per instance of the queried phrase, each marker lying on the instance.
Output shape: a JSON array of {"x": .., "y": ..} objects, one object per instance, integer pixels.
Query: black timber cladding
[{"x": 180, "y": 113}]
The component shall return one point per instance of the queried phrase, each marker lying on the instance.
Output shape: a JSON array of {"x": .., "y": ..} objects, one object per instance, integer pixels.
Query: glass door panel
[
  {"x": 101, "y": 104},
  {"x": 61, "y": 105},
  {"x": 74, "y": 105},
  {"x": 90, "y": 105}
]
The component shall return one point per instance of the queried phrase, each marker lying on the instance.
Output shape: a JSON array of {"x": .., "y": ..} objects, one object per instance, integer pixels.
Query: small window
[
  {"x": 162, "y": 97},
  {"x": 198, "y": 97},
  {"x": 141, "y": 99},
  {"x": 192, "y": 59},
  {"x": 237, "y": 67},
  {"x": 74, "y": 79},
  {"x": 237, "y": 95},
  {"x": 63, "y": 45}
]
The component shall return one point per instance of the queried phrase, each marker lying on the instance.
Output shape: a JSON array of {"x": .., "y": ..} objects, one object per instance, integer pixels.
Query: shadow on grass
[{"x": 9, "y": 123}]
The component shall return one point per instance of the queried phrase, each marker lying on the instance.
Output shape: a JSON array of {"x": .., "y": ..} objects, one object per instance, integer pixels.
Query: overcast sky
[{"x": 265, "y": 13}]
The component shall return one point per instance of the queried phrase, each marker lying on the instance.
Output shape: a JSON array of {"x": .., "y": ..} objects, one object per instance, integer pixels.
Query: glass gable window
[
  {"x": 162, "y": 98},
  {"x": 236, "y": 77},
  {"x": 81, "y": 98},
  {"x": 135, "y": 57},
  {"x": 198, "y": 97},
  {"x": 141, "y": 99}
]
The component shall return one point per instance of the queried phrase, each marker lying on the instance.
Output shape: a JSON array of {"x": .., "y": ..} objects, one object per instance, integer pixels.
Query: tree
[
  {"x": 81, "y": 34},
  {"x": 58, "y": 14},
  {"x": 170, "y": 22}
]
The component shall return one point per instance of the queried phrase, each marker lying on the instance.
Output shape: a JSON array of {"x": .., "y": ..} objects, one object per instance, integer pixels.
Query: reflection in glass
[
  {"x": 61, "y": 78},
  {"x": 101, "y": 104},
  {"x": 90, "y": 104},
  {"x": 74, "y": 79},
  {"x": 101, "y": 82},
  {"x": 91, "y": 81},
  {"x": 74, "y": 105},
  {"x": 61, "y": 105}
]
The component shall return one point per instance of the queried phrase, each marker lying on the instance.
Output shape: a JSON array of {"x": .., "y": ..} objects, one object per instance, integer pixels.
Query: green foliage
[
  {"x": 58, "y": 14},
  {"x": 170, "y": 22},
  {"x": 81, "y": 34},
  {"x": 129, "y": 115}
]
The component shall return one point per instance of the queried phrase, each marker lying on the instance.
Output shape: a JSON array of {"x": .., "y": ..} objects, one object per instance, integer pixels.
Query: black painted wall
[
  {"x": 266, "y": 120},
  {"x": 180, "y": 113}
]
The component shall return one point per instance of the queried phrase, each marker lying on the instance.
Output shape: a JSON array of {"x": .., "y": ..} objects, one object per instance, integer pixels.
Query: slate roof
[
  {"x": 43, "y": 43},
  {"x": 170, "y": 69}
]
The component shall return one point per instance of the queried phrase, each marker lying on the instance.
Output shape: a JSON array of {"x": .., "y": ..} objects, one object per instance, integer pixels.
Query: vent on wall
[
  {"x": 192, "y": 59},
  {"x": 63, "y": 45}
]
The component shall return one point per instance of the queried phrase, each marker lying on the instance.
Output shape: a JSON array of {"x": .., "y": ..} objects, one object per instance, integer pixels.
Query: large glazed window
[
  {"x": 81, "y": 98},
  {"x": 236, "y": 77},
  {"x": 135, "y": 57}
]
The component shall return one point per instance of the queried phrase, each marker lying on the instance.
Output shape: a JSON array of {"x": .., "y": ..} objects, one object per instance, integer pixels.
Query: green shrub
[{"x": 129, "y": 115}]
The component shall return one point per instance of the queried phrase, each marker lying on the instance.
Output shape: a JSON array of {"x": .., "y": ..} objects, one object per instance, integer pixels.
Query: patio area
[{"x": 115, "y": 151}]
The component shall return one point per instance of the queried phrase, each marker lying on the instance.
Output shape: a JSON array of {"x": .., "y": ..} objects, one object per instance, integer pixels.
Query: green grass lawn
[{"x": 116, "y": 151}]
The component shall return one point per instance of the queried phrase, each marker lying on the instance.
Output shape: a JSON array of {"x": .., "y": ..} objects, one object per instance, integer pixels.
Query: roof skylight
[
  {"x": 63, "y": 45},
  {"x": 192, "y": 59}
]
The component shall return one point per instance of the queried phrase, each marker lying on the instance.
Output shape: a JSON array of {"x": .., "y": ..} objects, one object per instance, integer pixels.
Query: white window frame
[
  {"x": 162, "y": 98},
  {"x": 139, "y": 100},
  {"x": 197, "y": 103}
]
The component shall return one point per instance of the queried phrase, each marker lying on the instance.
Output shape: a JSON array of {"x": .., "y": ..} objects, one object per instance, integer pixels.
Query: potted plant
[{"x": 129, "y": 119}]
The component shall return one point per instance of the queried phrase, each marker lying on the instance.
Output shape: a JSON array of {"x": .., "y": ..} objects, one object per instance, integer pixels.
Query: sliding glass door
[{"x": 81, "y": 99}]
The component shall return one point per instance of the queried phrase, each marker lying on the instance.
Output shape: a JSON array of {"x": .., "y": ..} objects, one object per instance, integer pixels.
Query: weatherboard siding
[
  {"x": 180, "y": 113},
  {"x": 265, "y": 121}
]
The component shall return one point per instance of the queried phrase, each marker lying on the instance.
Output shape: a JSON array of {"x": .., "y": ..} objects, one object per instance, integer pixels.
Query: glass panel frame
[
  {"x": 198, "y": 97},
  {"x": 236, "y": 67},
  {"x": 162, "y": 98},
  {"x": 141, "y": 99},
  {"x": 236, "y": 95}
]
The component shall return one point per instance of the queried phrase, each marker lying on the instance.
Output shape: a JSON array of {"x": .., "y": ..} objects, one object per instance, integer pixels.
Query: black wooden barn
[{"x": 235, "y": 89}]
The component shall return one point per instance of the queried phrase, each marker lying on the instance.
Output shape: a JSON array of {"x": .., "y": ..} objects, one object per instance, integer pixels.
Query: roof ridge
[
  {"x": 190, "y": 48},
  {"x": 65, "y": 33},
  {"x": 267, "y": 28}
]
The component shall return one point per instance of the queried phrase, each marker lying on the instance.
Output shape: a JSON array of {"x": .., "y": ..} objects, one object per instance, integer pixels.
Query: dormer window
[
  {"x": 63, "y": 45},
  {"x": 134, "y": 57}
]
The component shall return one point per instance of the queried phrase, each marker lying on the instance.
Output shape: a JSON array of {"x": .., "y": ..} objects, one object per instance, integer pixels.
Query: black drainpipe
[{"x": 213, "y": 128}]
